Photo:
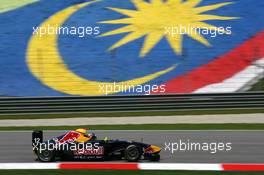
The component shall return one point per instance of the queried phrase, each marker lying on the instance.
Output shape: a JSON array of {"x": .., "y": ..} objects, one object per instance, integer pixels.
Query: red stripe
[
  {"x": 109, "y": 166},
  {"x": 243, "y": 167},
  {"x": 221, "y": 68}
]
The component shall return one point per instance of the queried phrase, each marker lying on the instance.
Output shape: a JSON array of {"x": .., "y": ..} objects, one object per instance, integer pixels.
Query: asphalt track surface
[{"x": 247, "y": 146}]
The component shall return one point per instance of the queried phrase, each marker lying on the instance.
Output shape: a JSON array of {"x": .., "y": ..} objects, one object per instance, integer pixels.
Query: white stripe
[
  {"x": 180, "y": 166},
  {"x": 238, "y": 81},
  {"x": 19, "y": 166},
  {"x": 177, "y": 119}
]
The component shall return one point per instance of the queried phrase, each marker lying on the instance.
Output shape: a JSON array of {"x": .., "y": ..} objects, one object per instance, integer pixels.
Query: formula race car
[{"x": 92, "y": 150}]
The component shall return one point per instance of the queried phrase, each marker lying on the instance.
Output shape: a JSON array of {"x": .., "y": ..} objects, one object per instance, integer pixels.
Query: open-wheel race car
[{"x": 62, "y": 149}]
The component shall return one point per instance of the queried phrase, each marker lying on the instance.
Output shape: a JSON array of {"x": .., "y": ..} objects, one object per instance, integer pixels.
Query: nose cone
[{"x": 153, "y": 149}]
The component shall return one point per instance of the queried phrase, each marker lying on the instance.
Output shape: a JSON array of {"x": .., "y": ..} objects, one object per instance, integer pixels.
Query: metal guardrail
[{"x": 53, "y": 105}]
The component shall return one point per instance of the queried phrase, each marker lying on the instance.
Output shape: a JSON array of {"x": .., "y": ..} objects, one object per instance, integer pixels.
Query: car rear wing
[{"x": 37, "y": 138}]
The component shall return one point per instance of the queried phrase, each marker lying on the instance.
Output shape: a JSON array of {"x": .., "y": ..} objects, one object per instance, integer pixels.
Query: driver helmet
[{"x": 82, "y": 130}]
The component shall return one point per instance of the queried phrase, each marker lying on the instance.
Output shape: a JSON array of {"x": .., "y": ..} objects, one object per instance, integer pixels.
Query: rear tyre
[
  {"x": 46, "y": 155},
  {"x": 132, "y": 153}
]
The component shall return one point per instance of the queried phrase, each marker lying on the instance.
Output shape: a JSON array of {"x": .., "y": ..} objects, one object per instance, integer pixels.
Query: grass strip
[
  {"x": 259, "y": 86},
  {"x": 7, "y": 5}
]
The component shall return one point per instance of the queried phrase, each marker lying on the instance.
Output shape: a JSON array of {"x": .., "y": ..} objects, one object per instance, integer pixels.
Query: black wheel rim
[
  {"x": 133, "y": 153},
  {"x": 44, "y": 155}
]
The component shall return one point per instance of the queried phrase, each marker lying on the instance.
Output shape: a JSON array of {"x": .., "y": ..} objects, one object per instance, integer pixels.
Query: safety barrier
[{"x": 175, "y": 102}]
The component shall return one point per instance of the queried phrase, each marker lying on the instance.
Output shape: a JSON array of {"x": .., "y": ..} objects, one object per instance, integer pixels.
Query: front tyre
[{"x": 132, "y": 153}]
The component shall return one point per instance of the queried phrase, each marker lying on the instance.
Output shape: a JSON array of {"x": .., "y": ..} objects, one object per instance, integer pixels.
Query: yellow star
[{"x": 151, "y": 18}]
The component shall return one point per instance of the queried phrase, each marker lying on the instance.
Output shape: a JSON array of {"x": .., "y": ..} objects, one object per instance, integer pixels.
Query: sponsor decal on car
[{"x": 88, "y": 152}]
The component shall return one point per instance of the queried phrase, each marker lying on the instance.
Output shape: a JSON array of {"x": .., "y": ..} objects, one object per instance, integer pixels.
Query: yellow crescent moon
[{"x": 47, "y": 65}]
